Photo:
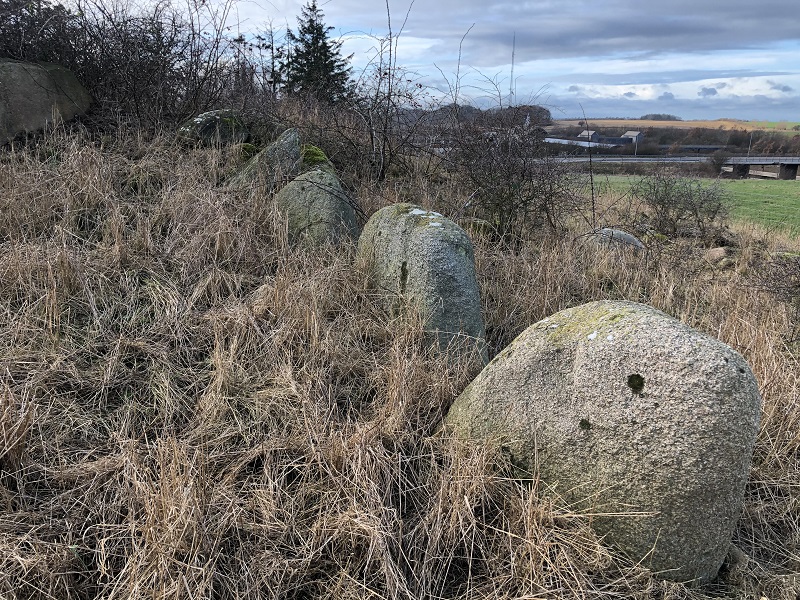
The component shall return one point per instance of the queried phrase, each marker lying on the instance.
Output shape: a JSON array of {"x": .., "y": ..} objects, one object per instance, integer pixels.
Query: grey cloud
[
  {"x": 665, "y": 77},
  {"x": 630, "y": 94},
  {"x": 575, "y": 88},
  {"x": 547, "y": 29},
  {"x": 667, "y": 96},
  {"x": 780, "y": 87},
  {"x": 707, "y": 92}
]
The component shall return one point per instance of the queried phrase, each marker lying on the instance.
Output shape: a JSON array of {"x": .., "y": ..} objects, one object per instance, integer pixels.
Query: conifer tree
[{"x": 314, "y": 63}]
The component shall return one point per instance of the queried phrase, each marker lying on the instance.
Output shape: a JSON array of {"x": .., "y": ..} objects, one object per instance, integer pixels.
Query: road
[{"x": 735, "y": 160}]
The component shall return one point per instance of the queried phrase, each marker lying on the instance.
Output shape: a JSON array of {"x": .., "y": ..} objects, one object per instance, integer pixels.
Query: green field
[
  {"x": 770, "y": 202},
  {"x": 774, "y": 125},
  {"x": 773, "y": 203}
]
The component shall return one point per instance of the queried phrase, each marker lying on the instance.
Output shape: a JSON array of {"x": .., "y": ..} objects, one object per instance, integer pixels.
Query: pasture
[{"x": 775, "y": 204}]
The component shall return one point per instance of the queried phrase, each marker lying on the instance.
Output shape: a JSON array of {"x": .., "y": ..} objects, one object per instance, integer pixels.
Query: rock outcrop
[
  {"x": 30, "y": 93},
  {"x": 423, "y": 259},
  {"x": 317, "y": 208},
  {"x": 631, "y": 415},
  {"x": 269, "y": 167},
  {"x": 221, "y": 127}
]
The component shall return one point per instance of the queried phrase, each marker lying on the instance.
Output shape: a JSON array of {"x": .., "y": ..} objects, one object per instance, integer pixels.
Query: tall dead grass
[{"x": 190, "y": 408}]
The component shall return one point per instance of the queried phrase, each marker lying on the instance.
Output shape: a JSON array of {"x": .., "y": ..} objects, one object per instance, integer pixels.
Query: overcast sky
[{"x": 703, "y": 59}]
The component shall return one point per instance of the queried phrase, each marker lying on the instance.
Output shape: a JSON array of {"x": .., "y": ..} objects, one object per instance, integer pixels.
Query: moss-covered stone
[
  {"x": 280, "y": 160},
  {"x": 222, "y": 127},
  {"x": 317, "y": 209}
]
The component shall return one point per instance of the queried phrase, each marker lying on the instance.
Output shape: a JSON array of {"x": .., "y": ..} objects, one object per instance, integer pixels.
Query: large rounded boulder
[
  {"x": 317, "y": 209},
  {"x": 425, "y": 260},
  {"x": 30, "y": 93},
  {"x": 631, "y": 416},
  {"x": 215, "y": 127}
]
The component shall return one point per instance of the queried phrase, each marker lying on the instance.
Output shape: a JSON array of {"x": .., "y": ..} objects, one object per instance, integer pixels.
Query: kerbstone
[
  {"x": 269, "y": 167},
  {"x": 317, "y": 209},
  {"x": 632, "y": 416},
  {"x": 223, "y": 127},
  {"x": 427, "y": 261},
  {"x": 617, "y": 238}
]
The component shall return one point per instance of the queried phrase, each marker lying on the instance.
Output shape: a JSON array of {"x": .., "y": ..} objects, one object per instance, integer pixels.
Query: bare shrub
[
  {"x": 513, "y": 182},
  {"x": 37, "y": 31},
  {"x": 149, "y": 64},
  {"x": 681, "y": 206}
]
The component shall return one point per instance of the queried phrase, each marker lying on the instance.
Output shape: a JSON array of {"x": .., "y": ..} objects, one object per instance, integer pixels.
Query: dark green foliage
[
  {"x": 659, "y": 117},
  {"x": 314, "y": 65}
]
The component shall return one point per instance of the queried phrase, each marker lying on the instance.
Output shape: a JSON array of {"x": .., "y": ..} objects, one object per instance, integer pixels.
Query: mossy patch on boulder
[{"x": 313, "y": 157}]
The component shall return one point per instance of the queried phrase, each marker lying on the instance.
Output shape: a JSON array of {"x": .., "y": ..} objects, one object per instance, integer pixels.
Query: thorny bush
[
  {"x": 682, "y": 206},
  {"x": 514, "y": 183}
]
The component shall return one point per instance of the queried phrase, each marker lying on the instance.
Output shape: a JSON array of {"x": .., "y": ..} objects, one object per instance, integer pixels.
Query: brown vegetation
[{"x": 190, "y": 408}]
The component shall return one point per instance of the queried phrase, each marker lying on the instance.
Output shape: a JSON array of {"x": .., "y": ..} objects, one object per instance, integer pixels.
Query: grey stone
[
  {"x": 421, "y": 258},
  {"x": 631, "y": 415},
  {"x": 31, "y": 92},
  {"x": 617, "y": 238},
  {"x": 223, "y": 127},
  {"x": 269, "y": 167},
  {"x": 716, "y": 255},
  {"x": 317, "y": 208}
]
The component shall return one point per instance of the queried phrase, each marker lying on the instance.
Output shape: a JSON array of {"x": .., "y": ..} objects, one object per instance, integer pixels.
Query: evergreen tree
[{"x": 314, "y": 64}]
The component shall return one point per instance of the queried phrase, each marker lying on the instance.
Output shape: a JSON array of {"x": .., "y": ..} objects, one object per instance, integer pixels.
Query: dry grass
[{"x": 190, "y": 408}]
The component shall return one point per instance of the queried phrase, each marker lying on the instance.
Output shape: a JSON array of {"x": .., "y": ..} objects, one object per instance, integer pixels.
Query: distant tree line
[{"x": 659, "y": 117}]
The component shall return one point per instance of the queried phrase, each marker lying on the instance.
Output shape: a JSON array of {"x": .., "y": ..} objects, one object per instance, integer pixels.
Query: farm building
[{"x": 635, "y": 136}]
